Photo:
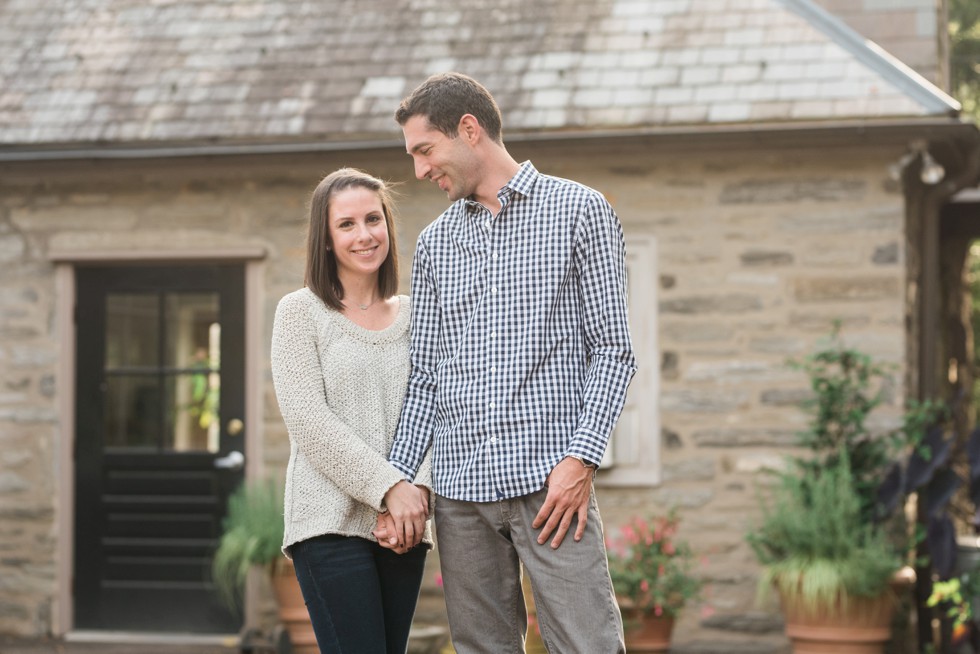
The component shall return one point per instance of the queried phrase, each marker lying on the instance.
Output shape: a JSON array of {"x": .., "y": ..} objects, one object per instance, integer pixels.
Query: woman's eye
[{"x": 374, "y": 218}]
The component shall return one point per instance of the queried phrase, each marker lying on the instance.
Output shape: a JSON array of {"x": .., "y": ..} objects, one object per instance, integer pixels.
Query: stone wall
[
  {"x": 28, "y": 427},
  {"x": 759, "y": 251}
]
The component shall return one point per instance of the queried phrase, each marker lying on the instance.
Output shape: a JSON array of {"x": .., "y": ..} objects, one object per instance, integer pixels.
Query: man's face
[{"x": 442, "y": 160}]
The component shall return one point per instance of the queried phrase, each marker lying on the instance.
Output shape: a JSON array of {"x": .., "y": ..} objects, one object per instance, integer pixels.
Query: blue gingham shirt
[{"x": 521, "y": 351}]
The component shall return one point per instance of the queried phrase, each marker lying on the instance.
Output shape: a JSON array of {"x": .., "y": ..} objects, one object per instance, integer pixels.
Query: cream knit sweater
[{"x": 340, "y": 389}]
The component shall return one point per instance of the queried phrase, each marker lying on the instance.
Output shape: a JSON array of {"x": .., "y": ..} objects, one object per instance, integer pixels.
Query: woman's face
[{"x": 358, "y": 231}]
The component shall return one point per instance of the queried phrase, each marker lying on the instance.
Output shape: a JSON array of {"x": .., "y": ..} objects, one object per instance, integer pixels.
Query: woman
[{"x": 340, "y": 366}]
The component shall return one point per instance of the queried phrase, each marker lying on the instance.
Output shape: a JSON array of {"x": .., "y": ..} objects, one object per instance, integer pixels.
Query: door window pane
[
  {"x": 132, "y": 416},
  {"x": 132, "y": 330},
  {"x": 194, "y": 423},
  {"x": 193, "y": 352},
  {"x": 163, "y": 371},
  {"x": 193, "y": 333}
]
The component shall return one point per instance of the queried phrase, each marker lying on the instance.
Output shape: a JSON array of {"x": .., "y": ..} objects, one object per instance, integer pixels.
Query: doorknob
[
  {"x": 234, "y": 460},
  {"x": 235, "y": 427}
]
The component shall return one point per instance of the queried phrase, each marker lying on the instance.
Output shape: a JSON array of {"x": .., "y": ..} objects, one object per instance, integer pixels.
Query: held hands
[
  {"x": 569, "y": 488},
  {"x": 404, "y": 523},
  {"x": 386, "y": 526}
]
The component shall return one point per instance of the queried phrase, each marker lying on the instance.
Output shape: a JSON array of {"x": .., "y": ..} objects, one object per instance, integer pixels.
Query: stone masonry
[{"x": 759, "y": 250}]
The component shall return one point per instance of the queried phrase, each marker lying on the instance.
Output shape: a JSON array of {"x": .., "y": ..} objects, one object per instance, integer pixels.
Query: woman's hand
[
  {"x": 408, "y": 508},
  {"x": 385, "y": 533}
]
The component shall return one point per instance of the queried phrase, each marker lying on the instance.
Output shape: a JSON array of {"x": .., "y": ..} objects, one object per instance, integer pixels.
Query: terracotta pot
[
  {"x": 646, "y": 632},
  {"x": 292, "y": 609},
  {"x": 850, "y": 626}
]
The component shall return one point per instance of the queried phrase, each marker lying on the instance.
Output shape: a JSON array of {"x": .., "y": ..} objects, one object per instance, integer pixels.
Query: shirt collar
[{"x": 521, "y": 183}]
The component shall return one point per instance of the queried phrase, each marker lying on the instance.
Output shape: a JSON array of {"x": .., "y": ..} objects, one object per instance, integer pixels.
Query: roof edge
[
  {"x": 892, "y": 130},
  {"x": 917, "y": 87}
]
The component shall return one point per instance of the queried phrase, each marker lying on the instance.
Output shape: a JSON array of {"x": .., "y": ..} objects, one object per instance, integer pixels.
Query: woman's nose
[{"x": 362, "y": 231}]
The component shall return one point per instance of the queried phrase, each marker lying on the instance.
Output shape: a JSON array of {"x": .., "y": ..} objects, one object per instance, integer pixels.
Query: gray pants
[{"x": 481, "y": 547}]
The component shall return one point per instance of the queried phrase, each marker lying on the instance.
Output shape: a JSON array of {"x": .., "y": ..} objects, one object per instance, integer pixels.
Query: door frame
[{"x": 66, "y": 263}]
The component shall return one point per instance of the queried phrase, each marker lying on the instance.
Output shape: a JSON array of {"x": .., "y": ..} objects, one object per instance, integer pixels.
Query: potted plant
[
  {"x": 252, "y": 537},
  {"x": 837, "y": 575},
  {"x": 652, "y": 574},
  {"x": 956, "y": 599},
  {"x": 837, "y": 564}
]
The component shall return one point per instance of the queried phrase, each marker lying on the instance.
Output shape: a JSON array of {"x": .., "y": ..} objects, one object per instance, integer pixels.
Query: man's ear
[{"x": 470, "y": 128}]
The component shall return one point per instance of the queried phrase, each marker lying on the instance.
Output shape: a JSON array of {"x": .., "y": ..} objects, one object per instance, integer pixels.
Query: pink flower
[{"x": 649, "y": 568}]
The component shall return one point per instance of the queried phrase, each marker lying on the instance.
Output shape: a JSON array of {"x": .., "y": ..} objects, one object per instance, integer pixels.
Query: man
[{"x": 521, "y": 358}]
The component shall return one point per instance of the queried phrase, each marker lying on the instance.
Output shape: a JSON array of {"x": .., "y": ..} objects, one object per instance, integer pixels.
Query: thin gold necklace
[{"x": 365, "y": 307}]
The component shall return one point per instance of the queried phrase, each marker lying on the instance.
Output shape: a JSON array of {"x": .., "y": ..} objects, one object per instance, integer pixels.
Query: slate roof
[{"x": 227, "y": 71}]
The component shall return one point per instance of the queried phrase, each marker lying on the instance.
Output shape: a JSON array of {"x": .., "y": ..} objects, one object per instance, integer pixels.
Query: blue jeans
[{"x": 361, "y": 597}]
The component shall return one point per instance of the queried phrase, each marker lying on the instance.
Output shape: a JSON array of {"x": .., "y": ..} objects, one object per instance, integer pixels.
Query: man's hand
[
  {"x": 385, "y": 533},
  {"x": 569, "y": 488},
  {"x": 408, "y": 507}
]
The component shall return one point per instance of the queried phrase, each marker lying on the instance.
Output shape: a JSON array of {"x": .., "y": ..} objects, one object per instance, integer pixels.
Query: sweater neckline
[{"x": 392, "y": 331}]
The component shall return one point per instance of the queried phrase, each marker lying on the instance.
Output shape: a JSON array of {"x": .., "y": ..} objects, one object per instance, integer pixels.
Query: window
[{"x": 633, "y": 455}]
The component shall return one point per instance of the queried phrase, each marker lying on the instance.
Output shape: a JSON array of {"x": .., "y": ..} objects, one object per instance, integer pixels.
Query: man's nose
[{"x": 421, "y": 169}]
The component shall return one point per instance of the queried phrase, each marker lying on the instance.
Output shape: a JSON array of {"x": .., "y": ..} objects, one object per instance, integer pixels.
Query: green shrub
[
  {"x": 823, "y": 538},
  {"x": 814, "y": 540},
  {"x": 252, "y": 535}
]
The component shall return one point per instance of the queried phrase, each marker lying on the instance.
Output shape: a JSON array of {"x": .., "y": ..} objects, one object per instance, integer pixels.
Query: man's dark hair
[{"x": 445, "y": 98}]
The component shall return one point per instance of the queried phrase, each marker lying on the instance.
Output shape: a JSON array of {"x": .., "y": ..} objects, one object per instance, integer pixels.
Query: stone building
[{"x": 773, "y": 169}]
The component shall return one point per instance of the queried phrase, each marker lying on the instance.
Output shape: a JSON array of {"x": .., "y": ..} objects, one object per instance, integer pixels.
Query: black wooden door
[{"x": 159, "y": 438}]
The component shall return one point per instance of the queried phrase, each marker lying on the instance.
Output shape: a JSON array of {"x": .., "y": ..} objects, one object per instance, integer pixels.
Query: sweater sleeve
[{"x": 324, "y": 438}]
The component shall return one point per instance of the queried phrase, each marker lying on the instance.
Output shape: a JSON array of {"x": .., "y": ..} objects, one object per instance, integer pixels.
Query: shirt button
[
  {"x": 493, "y": 439},
  {"x": 487, "y": 224},
  {"x": 493, "y": 368},
  {"x": 493, "y": 256},
  {"x": 493, "y": 334},
  {"x": 492, "y": 405},
  {"x": 493, "y": 290}
]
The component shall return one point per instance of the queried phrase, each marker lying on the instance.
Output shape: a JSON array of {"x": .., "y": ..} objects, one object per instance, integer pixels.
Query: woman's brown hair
[{"x": 321, "y": 264}]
